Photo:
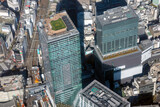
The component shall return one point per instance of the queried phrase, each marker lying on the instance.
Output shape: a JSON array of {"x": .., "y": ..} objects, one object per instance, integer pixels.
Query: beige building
[{"x": 155, "y": 30}]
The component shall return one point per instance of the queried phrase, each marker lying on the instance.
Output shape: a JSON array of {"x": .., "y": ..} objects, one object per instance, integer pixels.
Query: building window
[
  {"x": 130, "y": 41},
  {"x": 134, "y": 40},
  {"x": 117, "y": 45},
  {"x": 104, "y": 47},
  {"x": 112, "y": 46},
  {"x": 122, "y": 43},
  {"x": 108, "y": 46},
  {"x": 126, "y": 42}
]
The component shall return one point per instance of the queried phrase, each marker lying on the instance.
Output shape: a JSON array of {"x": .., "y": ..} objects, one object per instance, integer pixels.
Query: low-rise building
[
  {"x": 29, "y": 17},
  {"x": 12, "y": 103},
  {"x": 145, "y": 84},
  {"x": 20, "y": 48},
  {"x": 156, "y": 43},
  {"x": 11, "y": 86},
  {"x": 14, "y": 4},
  {"x": 155, "y": 30},
  {"x": 40, "y": 96},
  {"x": 146, "y": 47},
  {"x": 7, "y": 17},
  {"x": 7, "y": 35},
  {"x": 6, "y": 13},
  {"x": 3, "y": 50}
]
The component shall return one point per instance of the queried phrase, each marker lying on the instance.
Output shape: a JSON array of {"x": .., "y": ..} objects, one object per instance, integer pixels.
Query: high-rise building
[
  {"x": 98, "y": 95},
  {"x": 116, "y": 30},
  {"x": 60, "y": 44},
  {"x": 116, "y": 47}
]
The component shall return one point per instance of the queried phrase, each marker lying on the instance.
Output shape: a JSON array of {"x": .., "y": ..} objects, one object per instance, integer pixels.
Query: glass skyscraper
[
  {"x": 116, "y": 30},
  {"x": 62, "y": 53},
  {"x": 117, "y": 55}
]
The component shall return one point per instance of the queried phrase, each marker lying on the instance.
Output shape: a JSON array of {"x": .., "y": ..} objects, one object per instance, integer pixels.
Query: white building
[
  {"x": 14, "y": 4},
  {"x": 30, "y": 12},
  {"x": 146, "y": 48},
  {"x": 7, "y": 16},
  {"x": 156, "y": 43},
  {"x": 8, "y": 35}
]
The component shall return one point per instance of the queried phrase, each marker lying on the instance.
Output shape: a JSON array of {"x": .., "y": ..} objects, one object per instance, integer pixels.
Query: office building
[
  {"x": 116, "y": 51},
  {"x": 97, "y": 95},
  {"x": 60, "y": 47},
  {"x": 116, "y": 30}
]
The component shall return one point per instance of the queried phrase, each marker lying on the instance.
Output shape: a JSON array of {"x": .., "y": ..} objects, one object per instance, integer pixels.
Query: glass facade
[
  {"x": 65, "y": 63},
  {"x": 117, "y": 36}
]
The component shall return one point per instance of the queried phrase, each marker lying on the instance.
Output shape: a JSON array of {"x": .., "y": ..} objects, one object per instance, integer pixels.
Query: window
[
  {"x": 122, "y": 43},
  {"x": 112, "y": 46},
  {"x": 126, "y": 42},
  {"x": 108, "y": 46},
  {"x": 130, "y": 41},
  {"x": 134, "y": 40},
  {"x": 104, "y": 47},
  {"x": 117, "y": 45}
]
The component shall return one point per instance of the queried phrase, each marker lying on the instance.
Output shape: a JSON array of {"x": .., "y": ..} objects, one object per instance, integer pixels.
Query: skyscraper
[
  {"x": 116, "y": 47},
  {"x": 60, "y": 43},
  {"x": 116, "y": 30}
]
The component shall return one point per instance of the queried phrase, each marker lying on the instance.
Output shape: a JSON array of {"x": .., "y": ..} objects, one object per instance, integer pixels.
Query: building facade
[
  {"x": 61, "y": 50},
  {"x": 117, "y": 55},
  {"x": 116, "y": 30}
]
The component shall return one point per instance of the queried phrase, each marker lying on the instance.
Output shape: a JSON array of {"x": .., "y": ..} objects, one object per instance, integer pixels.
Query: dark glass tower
[
  {"x": 62, "y": 58},
  {"x": 116, "y": 30},
  {"x": 117, "y": 55}
]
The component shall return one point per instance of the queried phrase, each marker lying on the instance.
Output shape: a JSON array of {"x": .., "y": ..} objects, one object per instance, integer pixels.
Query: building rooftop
[
  {"x": 9, "y": 83},
  {"x": 155, "y": 28},
  {"x": 116, "y": 54},
  {"x": 5, "y": 66},
  {"x": 145, "y": 44},
  {"x": 40, "y": 92},
  {"x": 116, "y": 15},
  {"x": 10, "y": 103},
  {"x": 103, "y": 96},
  {"x": 59, "y": 24},
  {"x": 103, "y": 5},
  {"x": 36, "y": 75},
  {"x": 7, "y": 96},
  {"x": 142, "y": 81}
]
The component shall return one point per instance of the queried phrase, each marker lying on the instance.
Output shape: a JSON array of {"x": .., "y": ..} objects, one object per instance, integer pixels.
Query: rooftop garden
[{"x": 57, "y": 24}]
